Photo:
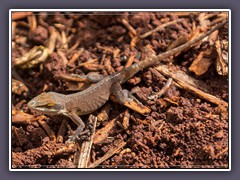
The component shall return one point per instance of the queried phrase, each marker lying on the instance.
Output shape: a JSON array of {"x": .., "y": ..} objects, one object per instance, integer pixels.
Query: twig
[
  {"x": 142, "y": 145},
  {"x": 108, "y": 66},
  {"x": 184, "y": 14},
  {"x": 173, "y": 73},
  {"x": 110, "y": 153},
  {"x": 124, "y": 151},
  {"x": 65, "y": 150},
  {"x": 63, "y": 56},
  {"x": 222, "y": 152},
  {"x": 48, "y": 130},
  {"x": 90, "y": 65},
  {"x": 162, "y": 91},
  {"x": 61, "y": 132},
  {"x": 74, "y": 47},
  {"x": 20, "y": 15},
  {"x": 64, "y": 40},
  {"x": 130, "y": 61},
  {"x": 32, "y": 23},
  {"x": 159, "y": 28},
  {"x": 75, "y": 56},
  {"x": 52, "y": 39},
  {"x": 14, "y": 25},
  {"x": 23, "y": 23},
  {"x": 162, "y": 69},
  {"x": 135, "y": 38},
  {"x": 139, "y": 120},
  {"x": 84, "y": 156},
  {"x": 217, "y": 20},
  {"x": 158, "y": 74},
  {"x": 33, "y": 57},
  {"x": 129, "y": 27},
  {"x": 115, "y": 52},
  {"x": 15, "y": 130},
  {"x": 171, "y": 101}
]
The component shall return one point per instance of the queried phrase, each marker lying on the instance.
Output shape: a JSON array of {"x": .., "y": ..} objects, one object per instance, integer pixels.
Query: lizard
[{"x": 89, "y": 100}]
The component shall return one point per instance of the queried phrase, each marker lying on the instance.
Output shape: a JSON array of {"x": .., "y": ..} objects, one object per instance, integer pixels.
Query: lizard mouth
[{"x": 41, "y": 108}]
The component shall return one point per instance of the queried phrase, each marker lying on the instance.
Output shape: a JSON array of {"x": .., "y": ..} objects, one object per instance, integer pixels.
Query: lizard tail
[
  {"x": 132, "y": 70},
  {"x": 190, "y": 43}
]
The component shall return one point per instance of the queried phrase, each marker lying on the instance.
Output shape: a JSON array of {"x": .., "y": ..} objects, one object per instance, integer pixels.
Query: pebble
[{"x": 219, "y": 134}]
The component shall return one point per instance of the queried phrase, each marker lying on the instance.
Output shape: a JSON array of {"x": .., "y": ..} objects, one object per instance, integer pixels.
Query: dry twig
[
  {"x": 20, "y": 15},
  {"x": 162, "y": 91},
  {"x": 189, "y": 87},
  {"x": 110, "y": 153},
  {"x": 48, "y": 130},
  {"x": 86, "y": 146}
]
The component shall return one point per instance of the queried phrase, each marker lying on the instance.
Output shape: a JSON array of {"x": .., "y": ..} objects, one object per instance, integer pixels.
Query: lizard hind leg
[
  {"x": 123, "y": 95},
  {"x": 94, "y": 77}
]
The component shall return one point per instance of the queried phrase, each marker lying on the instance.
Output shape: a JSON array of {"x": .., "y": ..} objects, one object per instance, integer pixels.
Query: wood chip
[
  {"x": 103, "y": 133},
  {"x": 110, "y": 153},
  {"x": 221, "y": 65},
  {"x": 201, "y": 64},
  {"x": 18, "y": 87},
  {"x": 19, "y": 117},
  {"x": 104, "y": 114},
  {"x": 126, "y": 118}
]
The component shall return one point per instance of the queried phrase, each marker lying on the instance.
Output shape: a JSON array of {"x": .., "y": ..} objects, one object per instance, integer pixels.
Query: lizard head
[{"x": 48, "y": 103}]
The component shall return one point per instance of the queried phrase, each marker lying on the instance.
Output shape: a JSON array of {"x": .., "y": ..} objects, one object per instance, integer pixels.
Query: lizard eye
[{"x": 50, "y": 104}]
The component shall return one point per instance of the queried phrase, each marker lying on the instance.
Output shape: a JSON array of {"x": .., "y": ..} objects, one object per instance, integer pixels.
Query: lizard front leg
[{"x": 78, "y": 121}]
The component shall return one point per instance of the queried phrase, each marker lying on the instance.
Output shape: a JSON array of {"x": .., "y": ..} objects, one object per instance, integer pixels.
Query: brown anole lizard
[{"x": 92, "y": 98}]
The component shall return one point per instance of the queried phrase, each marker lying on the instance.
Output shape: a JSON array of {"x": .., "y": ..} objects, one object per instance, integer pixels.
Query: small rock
[
  {"x": 211, "y": 151},
  {"x": 219, "y": 134}
]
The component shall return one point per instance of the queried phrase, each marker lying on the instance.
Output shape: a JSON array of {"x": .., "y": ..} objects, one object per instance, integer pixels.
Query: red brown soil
[{"x": 187, "y": 134}]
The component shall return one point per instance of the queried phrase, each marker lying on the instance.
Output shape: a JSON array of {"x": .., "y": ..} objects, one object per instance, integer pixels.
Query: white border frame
[{"x": 115, "y": 10}]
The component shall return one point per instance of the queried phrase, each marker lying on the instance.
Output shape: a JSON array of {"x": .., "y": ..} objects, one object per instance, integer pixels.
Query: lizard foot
[
  {"x": 72, "y": 138},
  {"x": 82, "y": 136}
]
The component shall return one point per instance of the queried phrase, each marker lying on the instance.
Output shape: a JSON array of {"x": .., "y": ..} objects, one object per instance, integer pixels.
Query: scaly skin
[{"x": 92, "y": 98}]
